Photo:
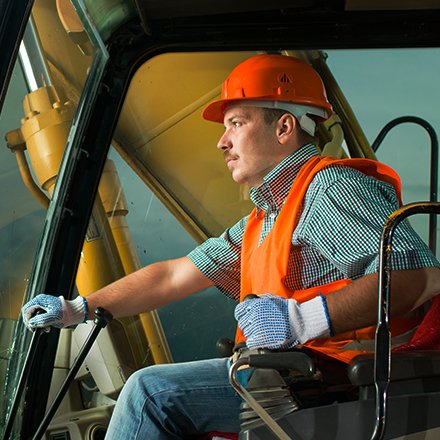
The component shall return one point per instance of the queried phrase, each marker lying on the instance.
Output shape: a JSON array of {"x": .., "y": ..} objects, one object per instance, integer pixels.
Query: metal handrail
[
  {"x": 434, "y": 165},
  {"x": 382, "y": 359}
]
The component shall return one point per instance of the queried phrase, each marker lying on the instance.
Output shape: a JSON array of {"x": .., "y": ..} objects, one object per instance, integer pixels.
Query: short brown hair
[{"x": 272, "y": 115}]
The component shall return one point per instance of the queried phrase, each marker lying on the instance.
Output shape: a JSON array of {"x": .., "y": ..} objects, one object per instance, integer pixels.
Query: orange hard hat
[{"x": 272, "y": 78}]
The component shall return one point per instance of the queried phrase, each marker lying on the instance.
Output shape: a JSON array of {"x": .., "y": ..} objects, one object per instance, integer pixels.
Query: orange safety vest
[{"x": 264, "y": 267}]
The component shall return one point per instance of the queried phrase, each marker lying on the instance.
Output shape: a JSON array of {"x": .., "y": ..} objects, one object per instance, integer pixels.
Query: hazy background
[{"x": 382, "y": 85}]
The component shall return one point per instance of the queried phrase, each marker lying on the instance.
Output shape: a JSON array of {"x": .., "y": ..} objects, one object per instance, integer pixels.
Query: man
[{"x": 309, "y": 250}]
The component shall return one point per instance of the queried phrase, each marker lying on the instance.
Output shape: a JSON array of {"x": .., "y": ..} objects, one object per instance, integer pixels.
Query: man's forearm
[
  {"x": 355, "y": 305},
  {"x": 149, "y": 288}
]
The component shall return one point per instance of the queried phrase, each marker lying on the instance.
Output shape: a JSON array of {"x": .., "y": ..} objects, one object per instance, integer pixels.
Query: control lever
[
  {"x": 252, "y": 402},
  {"x": 102, "y": 318},
  {"x": 246, "y": 396}
]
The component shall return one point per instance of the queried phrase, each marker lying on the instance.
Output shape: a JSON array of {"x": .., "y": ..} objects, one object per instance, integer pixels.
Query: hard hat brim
[{"x": 215, "y": 110}]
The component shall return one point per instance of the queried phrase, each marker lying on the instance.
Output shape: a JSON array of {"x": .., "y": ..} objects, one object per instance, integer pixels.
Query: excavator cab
[{"x": 107, "y": 166}]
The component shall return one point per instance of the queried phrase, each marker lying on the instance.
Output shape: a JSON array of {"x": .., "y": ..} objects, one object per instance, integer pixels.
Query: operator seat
[{"x": 413, "y": 394}]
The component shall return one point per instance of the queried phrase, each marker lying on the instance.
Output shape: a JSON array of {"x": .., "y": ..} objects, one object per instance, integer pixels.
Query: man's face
[{"x": 249, "y": 145}]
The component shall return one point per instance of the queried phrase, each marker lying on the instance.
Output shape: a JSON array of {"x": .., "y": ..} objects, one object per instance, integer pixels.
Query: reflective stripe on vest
[{"x": 264, "y": 267}]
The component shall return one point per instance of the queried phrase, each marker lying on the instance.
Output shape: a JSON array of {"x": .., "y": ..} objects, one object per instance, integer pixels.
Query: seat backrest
[{"x": 427, "y": 335}]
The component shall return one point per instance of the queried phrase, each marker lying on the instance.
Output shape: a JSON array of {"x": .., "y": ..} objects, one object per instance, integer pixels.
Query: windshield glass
[
  {"x": 383, "y": 86},
  {"x": 21, "y": 222},
  {"x": 35, "y": 122},
  {"x": 164, "y": 137}
]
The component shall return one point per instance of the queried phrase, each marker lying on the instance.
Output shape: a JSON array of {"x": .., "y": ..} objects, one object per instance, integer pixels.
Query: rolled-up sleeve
[{"x": 218, "y": 258}]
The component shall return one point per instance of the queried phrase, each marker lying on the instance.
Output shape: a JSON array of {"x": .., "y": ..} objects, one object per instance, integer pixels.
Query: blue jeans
[{"x": 173, "y": 401}]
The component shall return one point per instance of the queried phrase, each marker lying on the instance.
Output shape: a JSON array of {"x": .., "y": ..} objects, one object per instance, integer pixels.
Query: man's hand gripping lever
[
  {"x": 102, "y": 318},
  {"x": 45, "y": 311},
  {"x": 41, "y": 313},
  {"x": 275, "y": 323}
]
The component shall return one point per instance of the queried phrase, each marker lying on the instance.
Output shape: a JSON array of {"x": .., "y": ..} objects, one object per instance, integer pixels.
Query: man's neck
[{"x": 275, "y": 187}]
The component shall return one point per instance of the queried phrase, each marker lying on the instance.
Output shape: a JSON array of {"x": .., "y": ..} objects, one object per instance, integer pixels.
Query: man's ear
[{"x": 285, "y": 127}]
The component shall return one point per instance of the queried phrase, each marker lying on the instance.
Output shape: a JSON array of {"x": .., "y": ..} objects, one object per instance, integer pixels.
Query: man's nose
[{"x": 224, "y": 143}]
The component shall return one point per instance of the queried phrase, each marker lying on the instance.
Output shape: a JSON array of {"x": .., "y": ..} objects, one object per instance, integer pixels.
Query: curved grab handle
[{"x": 382, "y": 357}]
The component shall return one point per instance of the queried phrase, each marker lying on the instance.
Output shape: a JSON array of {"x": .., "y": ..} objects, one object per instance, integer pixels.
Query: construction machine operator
[{"x": 309, "y": 250}]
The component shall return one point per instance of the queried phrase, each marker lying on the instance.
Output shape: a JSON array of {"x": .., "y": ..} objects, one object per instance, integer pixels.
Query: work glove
[
  {"x": 278, "y": 323},
  {"x": 57, "y": 312}
]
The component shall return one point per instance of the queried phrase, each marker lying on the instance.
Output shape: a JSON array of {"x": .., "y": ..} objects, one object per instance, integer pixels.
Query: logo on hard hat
[{"x": 284, "y": 78}]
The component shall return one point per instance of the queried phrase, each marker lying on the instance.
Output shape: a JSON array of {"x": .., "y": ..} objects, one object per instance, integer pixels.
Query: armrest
[{"x": 404, "y": 366}]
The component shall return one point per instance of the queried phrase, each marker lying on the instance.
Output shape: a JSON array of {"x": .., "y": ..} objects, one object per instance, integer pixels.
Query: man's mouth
[{"x": 230, "y": 159}]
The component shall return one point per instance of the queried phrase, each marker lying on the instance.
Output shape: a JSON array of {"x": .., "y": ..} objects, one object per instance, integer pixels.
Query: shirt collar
[{"x": 272, "y": 193}]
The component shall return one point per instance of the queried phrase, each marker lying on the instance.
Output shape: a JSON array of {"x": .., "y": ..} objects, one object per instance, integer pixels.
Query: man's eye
[{"x": 236, "y": 124}]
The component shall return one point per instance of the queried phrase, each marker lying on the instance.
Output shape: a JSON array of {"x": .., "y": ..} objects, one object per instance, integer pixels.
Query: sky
[{"x": 382, "y": 85}]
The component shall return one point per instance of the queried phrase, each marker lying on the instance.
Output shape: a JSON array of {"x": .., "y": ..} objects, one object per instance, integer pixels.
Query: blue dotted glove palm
[
  {"x": 278, "y": 323},
  {"x": 57, "y": 312},
  {"x": 265, "y": 322}
]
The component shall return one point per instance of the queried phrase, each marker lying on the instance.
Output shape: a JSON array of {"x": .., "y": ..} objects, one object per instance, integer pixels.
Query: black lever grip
[
  {"x": 224, "y": 347},
  {"x": 38, "y": 311},
  {"x": 102, "y": 317}
]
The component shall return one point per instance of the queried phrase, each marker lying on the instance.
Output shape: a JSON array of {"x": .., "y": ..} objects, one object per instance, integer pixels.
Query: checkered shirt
[{"x": 337, "y": 236}]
